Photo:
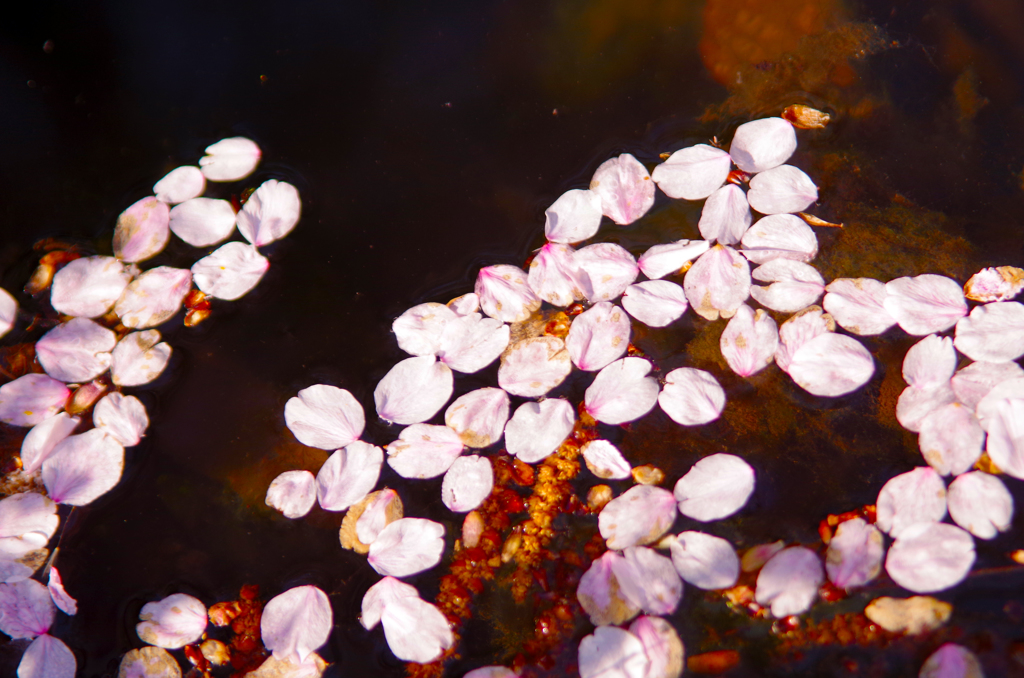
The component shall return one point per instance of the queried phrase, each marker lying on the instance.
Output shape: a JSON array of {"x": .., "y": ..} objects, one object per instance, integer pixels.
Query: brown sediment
[{"x": 243, "y": 617}]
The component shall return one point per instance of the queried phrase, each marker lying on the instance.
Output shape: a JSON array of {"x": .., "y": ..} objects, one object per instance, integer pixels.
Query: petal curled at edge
[
  {"x": 622, "y": 392},
  {"x": 705, "y": 561},
  {"x": 782, "y": 190},
  {"x": 230, "y": 272},
  {"x": 789, "y": 581},
  {"x": 176, "y": 621},
  {"x": 538, "y": 429},
  {"x": 139, "y": 358},
  {"x": 913, "y": 497},
  {"x": 534, "y": 366},
  {"x": 928, "y": 557},
  {"x": 424, "y": 451},
  {"x": 296, "y": 623},
  {"x": 467, "y": 483},
  {"x": 202, "y": 222},
  {"x": 180, "y": 184},
  {"x": 293, "y": 493},
  {"x": 760, "y": 145},
  {"x": 664, "y": 649},
  {"x": 230, "y": 159},
  {"x": 600, "y": 595},
  {"x": 691, "y": 397},
  {"x": 479, "y": 416},
  {"x": 639, "y": 516},
  {"x": 854, "y": 555},
  {"x": 76, "y": 351},
  {"x": 64, "y": 602},
  {"x": 348, "y": 475},
  {"x": 30, "y": 399},
  {"x": 43, "y": 437},
  {"x": 604, "y": 271},
  {"x": 407, "y": 546},
  {"x": 749, "y": 341},
  {"x": 416, "y": 631},
  {"x": 379, "y": 596},
  {"x": 993, "y": 332},
  {"x": 858, "y": 305},
  {"x": 121, "y": 417},
  {"x": 574, "y": 217},
  {"x": 598, "y": 336},
  {"x": 995, "y": 284},
  {"x": 413, "y": 390},
  {"x": 693, "y": 173},
  {"x": 605, "y": 461},
  {"x": 505, "y": 293},
  {"x": 717, "y": 283},
  {"x": 142, "y": 230},
  {"x": 831, "y": 365},
  {"x": 779, "y": 236},
  {"x": 326, "y": 417},
  {"x": 89, "y": 286},
  {"x": 382, "y": 508},
  {"x": 660, "y": 260},
  {"x": 611, "y": 652},
  {"x": 980, "y": 503},
  {"x": 925, "y": 304},
  {"x": 83, "y": 467},
  {"x": 154, "y": 297},
  {"x": 715, "y": 487},
  {"x": 47, "y": 657},
  {"x": 794, "y": 285},
  {"x": 726, "y": 216},
  {"x": 625, "y": 189},
  {"x": 270, "y": 213},
  {"x": 655, "y": 303}
]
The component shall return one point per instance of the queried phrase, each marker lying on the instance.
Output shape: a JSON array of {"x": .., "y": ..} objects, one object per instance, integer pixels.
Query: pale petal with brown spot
[
  {"x": 622, "y": 392},
  {"x": 749, "y": 341},
  {"x": 598, "y": 336},
  {"x": 538, "y": 429},
  {"x": 779, "y": 236},
  {"x": 726, "y": 215},
  {"x": 655, "y": 303},
  {"x": 639, "y": 516},
  {"x": 625, "y": 188},
  {"x": 89, "y": 286},
  {"x": 505, "y": 293},
  {"x": 534, "y": 366},
  {"x": 139, "y": 358},
  {"x": 717, "y": 283},
  {"x": 858, "y": 305},
  {"x": 604, "y": 271},
  {"x": 794, "y": 285},
  {"x": 142, "y": 230},
  {"x": 154, "y": 297}
]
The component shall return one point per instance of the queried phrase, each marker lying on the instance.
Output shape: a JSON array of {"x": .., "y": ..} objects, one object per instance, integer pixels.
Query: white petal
[
  {"x": 413, "y": 391},
  {"x": 972, "y": 383},
  {"x": 416, "y": 631},
  {"x": 324, "y": 416},
  {"x": 554, "y": 275},
  {"x": 726, "y": 215},
  {"x": 749, "y": 341},
  {"x": 121, "y": 417},
  {"x": 230, "y": 272},
  {"x": 782, "y": 190},
  {"x": 789, "y": 581},
  {"x": 951, "y": 439},
  {"x": 693, "y": 173},
  {"x": 465, "y": 304},
  {"x": 760, "y": 145},
  {"x": 47, "y": 657},
  {"x": 270, "y": 213},
  {"x": 691, "y": 397},
  {"x": 625, "y": 188},
  {"x": 705, "y": 561},
  {"x": 655, "y": 303},
  {"x": 89, "y": 286},
  {"x": 64, "y": 602},
  {"x": 27, "y": 513},
  {"x": 348, "y": 475},
  {"x": 717, "y": 283},
  {"x": 76, "y": 351},
  {"x": 993, "y": 332},
  {"x": 420, "y": 329},
  {"x": 639, "y": 516},
  {"x": 176, "y": 621},
  {"x": 661, "y": 260},
  {"x": 293, "y": 493},
  {"x": 664, "y": 649},
  {"x": 611, "y": 652},
  {"x": 139, "y": 358},
  {"x": 925, "y": 304},
  {"x": 478, "y": 416},
  {"x": 26, "y": 610},
  {"x": 604, "y": 271},
  {"x": 600, "y": 594},
  {"x": 154, "y": 297},
  {"x": 858, "y": 305},
  {"x": 505, "y": 293},
  {"x": 574, "y": 217},
  {"x": 605, "y": 461},
  {"x": 795, "y": 285},
  {"x": 622, "y": 392},
  {"x": 472, "y": 342},
  {"x": 43, "y": 437},
  {"x": 296, "y": 623},
  {"x": 83, "y": 467},
  {"x": 230, "y": 159},
  {"x": 467, "y": 483},
  {"x": 598, "y": 336},
  {"x": 915, "y": 404},
  {"x": 716, "y": 487},
  {"x": 424, "y": 451},
  {"x": 798, "y": 330},
  {"x": 929, "y": 557},
  {"x": 832, "y": 365},
  {"x": 202, "y": 222},
  {"x": 930, "y": 362},
  {"x": 912, "y": 497},
  {"x": 951, "y": 661},
  {"x": 149, "y": 662},
  {"x": 648, "y": 580},
  {"x": 384, "y": 507},
  {"x": 538, "y": 429},
  {"x": 180, "y": 184},
  {"x": 995, "y": 284},
  {"x": 780, "y": 236},
  {"x": 1006, "y": 437},
  {"x": 491, "y": 672},
  {"x": 379, "y": 596},
  {"x": 980, "y": 503},
  {"x": 8, "y": 311},
  {"x": 30, "y": 399},
  {"x": 988, "y": 406},
  {"x": 854, "y": 554},
  {"x": 407, "y": 546},
  {"x": 142, "y": 230},
  {"x": 534, "y": 366}
]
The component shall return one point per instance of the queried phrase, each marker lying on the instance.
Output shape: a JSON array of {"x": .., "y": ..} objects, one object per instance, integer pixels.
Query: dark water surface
[{"x": 426, "y": 142}]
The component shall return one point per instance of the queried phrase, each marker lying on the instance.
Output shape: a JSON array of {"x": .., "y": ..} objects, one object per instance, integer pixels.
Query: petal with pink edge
[
  {"x": 648, "y": 580},
  {"x": 479, "y": 416},
  {"x": 798, "y": 330},
  {"x": 854, "y": 555},
  {"x": 656, "y": 303},
  {"x": 8, "y": 311},
  {"x": 296, "y": 623},
  {"x": 952, "y": 661},
  {"x": 789, "y": 581},
  {"x": 779, "y": 236},
  {"x": 28, "y": 512},
  {"x": 604, "y": 271},
  {"x": 348, "y": 475},
  {"x": 574, "y": 217},
  {"x": 142, "y": 230},
  {"x": 505, "y": 293},
  {"x": 993, "y": 332},
  {"x": 598, "y": 336},
  {"x": 407, "y": 546},
  {"x": 622, "y": 392},
  {"x": 929, "y": 557},
  {"x": 534, "y": 366},
  {"x": 293, "y": 493},
  {"x": 154, "y": 297},
  {"x": 202, "y": 222},
  {"x": 664, "y": 649},
  {"x": 760, "y": 145},
  {"x": 467, "y": 483},
  {"x": 465, "y": 304},
  {"x": 230, "y": 272},
  {"x": 420, "y": 329},
  {"x": 89, "y": 286},
  {"x": 913, "y": 497},
  {"x": 26, "y": 610},
  {"x": 794, "y": 285},
  {"x": 43, "y": 437},
  {"x": 717, "y": 283},
  {"x": 692, "y": 397},
  {"x": 472, "y": 342},
  {"x": 230, "y": 159},
  {"x": 639, "y": 516},
  {"x": 121, "y": 417},
  {"x": 180, "y": 184},
  {"x": 538, "y": 429},
  {"x": 64, "y": 602},
  {"x": 83, "y": 467},
  {"x": 951, "y": 439},
  {"x": 379, "y": 596},
  {"x": 424, "y": 451},
  {"x": 76, "y": 351},
  {"x": 605, "y": 461},
  {"x": 270, "y": 213},
  {"x": 47, "y": 657},
  {"x": 705, "y": 561},
  {"x": 384, "y": 508},
  {"x": 176, "y": 621},
  {"x": 554, "y": 275},
  {"x": 995, "y": 284},
  {"x": 858, "y": 305},
  {"x": 139, "y": 358},
  {"x": 980, "y": 503},
  {"x": 625, "y": 189},
  {"x": 661, "y": 260},
  {"x": 925, "y": 304},
  {"x": 716, "y": 487},
  {"x": 30, "y": 399},
  {"x": 600, "y": 594},
  {"x": 726, "y": 215},
  {"x": 693, "y": 173},
  {"x": 416, "y": 631},
  {"x": 915, "y": 404},
  {"x": 491, "y": 672},
  {"x": 782, "y": 190},
  {"x": 413, "y": 391},
  {"x": 832, "y": 365},
  {"x": 749, "y": 341},
  {"x": 611, "y": 652},
  {"x": 326, "y": 417},
  {"x": 972, "y": 383},
  {"x": 930, "y": 362},
  {"x": 1006, "y": 437}
]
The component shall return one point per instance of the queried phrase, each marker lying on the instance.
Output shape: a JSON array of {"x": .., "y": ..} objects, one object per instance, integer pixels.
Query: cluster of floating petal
[{"x": 27, "y": 610}]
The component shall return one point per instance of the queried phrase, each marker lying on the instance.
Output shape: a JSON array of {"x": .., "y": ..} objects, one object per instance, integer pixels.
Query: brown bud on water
[
  {"x": 648, "y": 475},
  {"x": 912, "y": 616},
  {"x": 215, "y": 652},
  {"x": 472, "y": 528},
  {"x": 195, "y": 316},
  {"x": 84, "y": 397},
  {"x": 815, "y": 221},
  {"x": 512, "y": 544},
  {"x": 805, "y": 117},
  {"x": 598, "y": 496}
]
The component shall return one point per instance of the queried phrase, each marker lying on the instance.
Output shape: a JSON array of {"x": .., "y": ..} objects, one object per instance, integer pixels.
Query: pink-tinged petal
[
  {"x": 915, "y": 404},
  {"x": 30, "y": 399},
  {"x": 176, "y": 621},
  {"x": 293, "y": 493},
  {"x": 648, "y": 580},
  {"x": 47, "y": 657},
  {"x": 795, "y": 285},
  {"x": 76, "y": 351},
  {"x": 89, "y": 286},
  {"x": 605, "y": 461},
  {"x": 180, "y": 184},
  {"x": 424, "y": 451},
  {"x": 505, "y": 293},
  {"x": 478, "y": 416},
  {"x": 622, "y": 392},
  {"x": 465, "y": 304},
  {"x": 472, "y": 529},
  {"x": 230, "y": 272},
  {"x": 149, "y": 662},
  {"x": 43, "y": 437},
  {"x": 928, "y": 557},
  {"x": 662, "y": 645},
  {"x": 705, "y": 561},
  {"x": 270, "y": 213},
  {"x": 749, "y": 341},
  {"x": 789, "y": 581},
  {"x": 139, "y": 358},
  {"x": 534, "y": 366},
  {"x": 951, "y": 439},
  {"x": 1006, "y": 437},
  {"x": 416, "y": 631},
  {"x": 326, "y": 417},
  {"x": 692, "y": 397},
  {"x": 604, "y": 271},
  {"x": 760, "y": 145},
  {"x": 472, "y": 342},
  {"x": 379, "y": 596},
  {"x": 854, "y": 554},
  {"x": 661, "y": 260},
  {"x": 296, "y": 623},
  {"x": 782, "y": 190},
  {"x": 639, "y": 516},
  {"x": 467, "y": 483},
  {"x": 230, "y": 159},
  {"x": 420, "y": 329},
  {"x": 26, "y": 610},
  {"x": 625, "y": 189},
  {"x": 972, "y": 383},
  {"x": 574, "y": 217},
  {"x": 413, "y": 391},
  {"x": 142, "y": 230},
  {"x": 202, "y": 222},
  {"x": 611, "y": 652},
  {"x": 154, "y": 297},
  {"x": 858, "y": 305},
  {"x": 995, "y": 284},
  {"x": 272, "y": 667},
  {"x": 980, "y": 503},
  {"x": 83, "y": 467},
  {"x": 726, "y": 215},
  {"x": 993, "y": 332},
  {"x": 798, "y": 330},
  {"x": 8, "y": 311},
  {"x": 780, "y": 236},
  {"x": 538, "y": 429},
  {"x": 988, "y": 406},
  {"x": 382, "y": 510},
  {"x": 717, "y": 283},
  {"x": 554, "y": 275},
  {"x": 925, "y": 304},
  {"x": 64, "y": 602},
  {"x": 121, "y": 417},
  {"x": 952, "y": 661},
  {"x": 598, "y": 336},
  {"x": 913, "y": 497},
  {"x": 655, "y": 303},
  {"x": 832, "y": 365},
  {"x": 716, "y": 487},
  {"x": 600, "y": 594},
  {"x": 930, "y": 362},
  {"x": 407, "y": 546},
  {"x": 26, "y": 513},
  {"x": 693, "y": 173},
  {"x": 348, "y": 475},
  {"x": 491, "y": 672}
]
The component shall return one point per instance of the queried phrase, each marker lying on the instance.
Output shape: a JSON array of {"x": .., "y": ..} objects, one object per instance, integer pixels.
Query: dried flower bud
[{"x": 805, "y": 117}]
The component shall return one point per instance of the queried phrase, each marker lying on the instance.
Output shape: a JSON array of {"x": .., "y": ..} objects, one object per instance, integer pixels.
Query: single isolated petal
[
  {"x": 121, "y": 417},
  {"x": 951, "y": 661},
  {"x": 692, "y": 397},
  {"x": 980, "y": 503},
  {"x": 913, "y": 497},
  {"x": 625, "y": 189},
  {"x": 538, "y": 429},
  {"x": 717, "y": 283},
  {"x": 30, "y": 399},
  {"x": 574, "y": 217},
  {"x": 993, "y": 332},
  {"x": 8, "y": 311},
  {"x": 749, "y": 341},
  {"x": 26, "y": 610},
  {"x": 420, "y": 329},
  {"x": 664, "y": 649},
  {"x": 798, "y": 330},
  {"x": 995, "y": 284},
  {"x": 600, "y": 594},
  {"x": 726, "y": 215},
  {"x": 230, "y": 272},
  {"x": 648, "y": 580},
  {"x": 154, "y": 297},
  {"x": 930, "y": 362},
  {"x": 467, "y": 483},
  {"x": 598, "y": 336},
  {"x": 832, "y": 365},
  {"x": 76, "y": 351},
  {"x": 611, "y": 652},
  {"x": 639, "y": 516},
  {"x": 693, "y": 173},
  {"x": 780, "y": 236},
  {"x": 706, "y": 561},
  {"x": 972, "y": 383},
  {"x": 604, "y": 271},
  {"x": 139, "y": 358},
  {"x": 407, "y": 546},
  {"x": 202, "y": 222},
  {"x": 413, "y": 391},
  {"x": 915, "y": 404},
  {"x": 534, "y": 366},
  {"x": 148, "y": 662},
  {"x": 61, "y": 599},
  {"x": 794, "y": 285},
  {"x": 326, "y": 417},
  {"x": 655, "y": 303},
  {"x": 416, "y": 631},
  {"x": 424, "y": 451},
  {"x": 854, "y": 554},
  {"x": 929, "y": 557},
  {"x": 622, "y": 392},
  {"x": 925, "y": 304},
  {"x": 465, "y": 304},
  {"x": 472, "y": 342},
  {"x": 716, "y": 487},
  {"x": 661, "y": 260},
  {"x": 180, "y": 184},
  {"x": 605, "y": 461},
  {"x": 47, "y": 657},
  {"x": 951, "y": 439},
  {"x": 858, "y": 305},
  {"x": 789, "y": 581},
  {"x": 760, "y": 145},
  {"x": 782, "y": 190},
  {"x": 89, "y": 286},
  {"x": 230, "y": 159},
  {"x": 348, "y": 475},
  {"x": 293, "y": 493},
  {"x": 270, "y": 213},
  {"x": 176, "y": 621},
  {"x": 505, "y": 293},
  {"x": 479, "y": 416},
  {"x": 83, "y": 467},
  {"x": 43, "y": 437},
  {"x": 554, "y": 275},
  {"x": 142, "y": 230},
  {"x": 297, "y": 622}
]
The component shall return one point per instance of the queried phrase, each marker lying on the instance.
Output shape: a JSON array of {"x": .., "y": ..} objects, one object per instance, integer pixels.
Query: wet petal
[
  {"x": 8, "y": 311},
  {"x": 972, "y": 383},
  {"x": 180, "y": 184},
  {"x": 726, "y": 215},
  {"x": 988, "y": 406},
  {"x": 420, "y": 329},
  {"x": 980, "y": 503},
  {"x": 26, "y": 610},
  {"x": 782, "y": 190},
  {"x": 538, "y": 429},
  {"x": 30, "y": 399},
  {"x": 625, "y": 189},
  {"x": 789, "y": 581},
  {"x": 326, "y": 417},
  {"x": 760, "y": 145},
  {"x": 795, "y": 285},
  {"x": 413, "y": 391},
  {"x": 424, "y": 451},
  {"x": 925, "y": 304},
  {"x": 574, "y": 217},
  {"x": 929, "y": 557},
  {"x": 348, "y": 475},
  {"x": 661, "y": 260},
  {"x": 705, "y": 561},
  {"x": 993, "y": 332},
  {"x": 293, "y": 493},
  {"x": 479, "y": 416},
  {"x": 749, "y": 341},
  {"x": 663, "y": 647},
  {"x": 467, "y": 483},
  {"x": 384, "y": 508},
  {"x": 951, "y": 661},
  {"x": 693, "y": 173},
  {"x": 89, "y": 286},
  {"x": 1006, "y": 437},
  {"x": 600, "y": 594},
  {"x": 915, "y": 404},
  {"x": 622, "y": 392},
  {"x": 858, "y": 305},
  {"x": 139, "y": 358},
  {"x": 270, "y": 213},
  {"x": 995, "y": 284},
  {"x": 832, "y": 365},
  {"x": 61, "y": 599},
  {"x": 83, "y": 467},
  {"x": 142, "y": 230},
  {"x": 605, "y": 270},
  {"x": 154, "y": 297},
  {"x": 913, "y": 497},
  {"x": 28, "y": 512},
  {"x": 465, "y": 304},
  {"x": 230, "y": 159},
  {"x": 121, "y": 417},
  {"x": 554, "y": 275},
  {"x": 655, "y": 303},
  {"x": 313, "y": 667},
  {"x": 534, "y": 366},
  {"x": 598, "y": 336},
  {"x": 639, "y": 516},
  {"x": 717, "y": 283},
  {"x": 605, "y": 461},
  {"x": 202, "y": 222},
  {"x": 47, "y": 657},
  {"x": 416, "y": 631},
  {"x": 951, "y": 439},
  {"x": 296, "y": 623},
  {"x": 471, "y": 342},
  {"x": 77, "y": 350},
  {"x": 379, "y": 596},
  {"x": 930, "y": 362},
  {"x": 798, "y": 330},
  {"x": 505, "y": 293},
  {"x": 149, "y": 662},
  {"x": 854, "y": 554},
  {"x": 648, "y": 580},
  {"x": 611, "y": 652},
  {"x": 691, "y": 397},
  {"x": 780, "y": 236},
  {"x": 176, "y": 621},
  {"x": 716, "y": 487},
  {"x": 230, "y": 272},
  {"x": 43, "y": 437},
  {"x": 407, "y": 546},
  {"x": 492, "y": 672}
]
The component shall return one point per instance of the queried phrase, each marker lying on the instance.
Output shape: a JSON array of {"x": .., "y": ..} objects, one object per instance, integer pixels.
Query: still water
[{"x": 426, "y": 142}]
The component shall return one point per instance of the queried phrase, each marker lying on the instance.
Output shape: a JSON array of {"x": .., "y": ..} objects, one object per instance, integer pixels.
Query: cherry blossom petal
[
  {"x": 605, "y": 461},
  {"x": 705, "y": 561},
  {"x": 717, "y": 283},
  {"x": 76, "y": 351},
  {"x": 760, "y": 145},
  {"x": 139, "y": 358},
  {"x": 655, "y": 303},
  {"x": 693, "y": 173},
  {"x": 326, "y": 417},
  {"x": 26, "y": 610},
  {"x": 789, "y": 581},
  {"x": 925, "y": 304},
  {"x": 995, "y": 284},
  {"x": 639, "y": 516},
  {"x": 472, "y": 342},
  {"x": 928, "y": 557},
  {"x": 89, "y": 286},
  {"x": 382, "y": 510},
  {"x": 424, "y": 451},
  {"x": 83, "y": 467},
  {"x": 420, "y": 329},
  {"x": 795, "y": 285},
  {"x": 121, "y": 417},
  {"x": 388, "y": 590},
  {"x": 726, "y": 215},
  {"x": 692, "y": 397},
  {"x": 293, "y": 493},
  {"x": 538, "y": 429},
  {"x": 1006, "y": 437},
  {"x": 798, "y": 330},
  {"x": 779, "y": 236},
  {"x": 554, "y": 275},
  {"x": 622, "y": 392},
  {"x": 951, "y": 661},
  {"x": 972, "y": 383},
  {"x": 534, "y": 366},
  {"x": 296, "y": 623},
  {"x": 912, "y": 497},
  {"x": 749, "y": 341},
  {"x": 648, "y": 580},
  {"x": 993, "y": 332},
  {"x": 47, "y": 657},
  {"x": 832, "y": 365},
  {"x": 854, "y": 554},
  {"x": 465, "y": 304},
  {"x": 479, "y": 416},
  {"x": 467, "y": 483},
  {"x": 202, "y": 222},
  {"x": 716, "y": 487},
  {"x": 604, "y": 271},
  {"x": 230, "y": 159},
  {"x": 348, "y": 475},
  {"x": 625, "y": 189},
  {"x": 598, "y": 336},
  {"x": 574, "y": 217},
  {"x": 176, "y": 621},
  {"x": 142, "y": 230},
  {"x": 64, "y": 602},
  {"x": 416, "y": 631},
  {"x": 491, "y": 672},
  {"x": 43, "y": 437},
  {"x": 154, "y": 297},
  {"x": 915, "y": 404},
  {"x": 30, "y": 399},
  {"x": 951, "y": 439},
  {"x": 8, "y": 311},
  {"x": 980, "y": 503},
  {"x": 663, "y": 647},
  {"x": 180, "y": 184},
  {"x": 149, "y": 662},
  {"x": 930, "y": 362},
  {"x": 505, "y": 293},
  {"x": 230, "y": 272},
  {"x": 313, "y": 667},
  {"x": 782, "y": 190},
  {"x": 988, "y": 406},
  {"x": 28, "y": 512},
  {"x": 600, "y": 594},
  {"x": 661, "y": 260},
  {"x": 858, "y": 305},
  {"x": 270, "y": 213},
  {"x": 413, "y": 391},
  {"x": 611, "y": 652},
  {"x": 407, "y": 546}
]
